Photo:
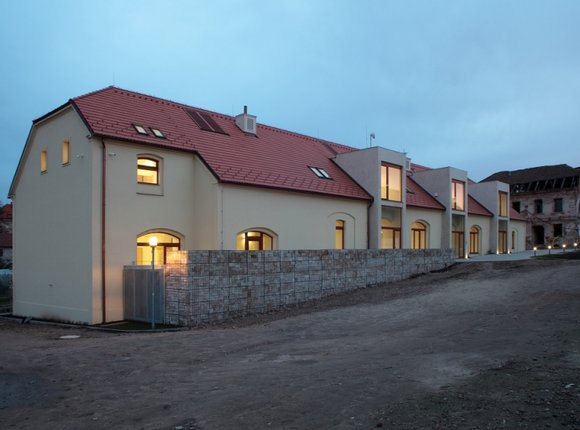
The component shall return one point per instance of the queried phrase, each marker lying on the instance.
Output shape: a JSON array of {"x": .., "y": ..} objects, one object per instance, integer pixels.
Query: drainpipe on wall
[
  {"x": 369, "y": 226},
  {"x": 103, "y": 236}
]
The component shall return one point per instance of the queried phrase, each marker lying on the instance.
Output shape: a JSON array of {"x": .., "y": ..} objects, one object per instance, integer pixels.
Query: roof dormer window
[
  {"x": 157, "y": 133},
  {"x": 140, "y": 129},
  {"x": 320, "y": 172}
]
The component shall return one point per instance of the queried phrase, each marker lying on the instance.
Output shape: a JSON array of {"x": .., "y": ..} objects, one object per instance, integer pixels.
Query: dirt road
[{"x": 481, "y": 346}]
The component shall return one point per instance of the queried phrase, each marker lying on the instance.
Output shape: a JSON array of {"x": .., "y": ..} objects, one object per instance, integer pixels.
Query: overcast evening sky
[{"x": 478, "y": 85}]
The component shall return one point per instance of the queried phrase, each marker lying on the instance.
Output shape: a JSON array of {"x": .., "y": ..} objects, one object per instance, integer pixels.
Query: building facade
[
  {"x": 549, "y": 199},
  {"x": 107, "y": 171}
]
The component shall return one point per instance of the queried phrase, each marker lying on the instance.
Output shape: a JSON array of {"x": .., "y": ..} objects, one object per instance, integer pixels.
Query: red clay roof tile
[
  {"x": 476, "y": 208},
  {"x": 275, "y": 158},
  {"x": 417, "y": 196}
]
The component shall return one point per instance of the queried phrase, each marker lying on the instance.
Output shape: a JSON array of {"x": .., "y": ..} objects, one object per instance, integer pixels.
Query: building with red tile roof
[{"x": 118, "y": 168}]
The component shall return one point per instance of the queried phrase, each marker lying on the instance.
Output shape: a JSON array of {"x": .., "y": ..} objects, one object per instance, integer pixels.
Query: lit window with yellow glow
[
  {"x": 65, "y": 152},
  {"x": 503, "y": 204},
  {"x": 339, "y": 234},
  {"x": 147, "y": 171},
  {"x": 165, "y": 242},
  {"x": 391, "y": 182},
  {"x": 43, "y": 161},
  {"x": 418, "y": 235},
  {"x": 458, "y": 195},
  {"x": 254, "y": 241}
]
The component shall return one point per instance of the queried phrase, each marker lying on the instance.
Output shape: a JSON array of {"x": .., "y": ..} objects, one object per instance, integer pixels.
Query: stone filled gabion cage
[{"x": 207, "y": 286}]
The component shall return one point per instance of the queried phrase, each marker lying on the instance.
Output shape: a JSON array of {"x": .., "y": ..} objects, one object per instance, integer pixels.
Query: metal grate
[{"x": 137, "y": 297}]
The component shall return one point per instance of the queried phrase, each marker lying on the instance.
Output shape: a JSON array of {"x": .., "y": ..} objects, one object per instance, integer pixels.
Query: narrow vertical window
[
  {"x": 43, "y": 161},
  {"x": 339, "y": 234},
  {"x": 147, "y": 171},
  {"x": 558, "y": 205},
  {"x": 391, "y": 182},
  {"x": 418, "y": 235},
  {"x": 65, "y": 152},
  {"x": 539, "y": 206},
  {"x": 503, "y": 204},
  {"x": 458, "y": 195}
]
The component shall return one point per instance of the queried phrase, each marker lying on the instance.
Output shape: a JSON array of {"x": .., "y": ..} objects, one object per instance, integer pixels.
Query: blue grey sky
[{"x": 479, "y": 85}]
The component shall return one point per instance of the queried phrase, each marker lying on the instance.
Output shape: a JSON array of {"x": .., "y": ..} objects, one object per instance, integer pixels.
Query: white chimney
[{"x": 246, "y": 122}]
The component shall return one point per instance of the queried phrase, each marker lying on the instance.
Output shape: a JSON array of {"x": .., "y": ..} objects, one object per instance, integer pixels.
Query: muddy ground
[{"x": 481, "y": 346}]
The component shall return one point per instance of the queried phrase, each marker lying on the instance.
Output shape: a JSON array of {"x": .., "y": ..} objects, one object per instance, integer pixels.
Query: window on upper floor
[
  {"x": 516, "y": 206},
  {"x": 140, "y": 129},
  {"x": 147, "y": 171},
  {"x": 320, "y": 172},
  {"x": 503, "y": 204},
  {"x": 339, "y": 234},
  {"x": 43, "y": 161},
  {"x": 558, "y": 205},
  {"x": 391, "y": 182},
  {"x": 65, "y": 152},
  {"x": 157, "y": 133},
  {"x": 458, "y": 195},
  {"x": 538, "y": 206}
]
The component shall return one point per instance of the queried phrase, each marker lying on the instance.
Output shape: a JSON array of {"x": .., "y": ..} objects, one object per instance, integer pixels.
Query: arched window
[
  {"x": 147, "y": 171},
  {"x": 165, "y": 242},
  {"x": 418, "y": 235},
  {"x": 254, "y": 241},
  {"x": 474, "y": 247},
  {"x": 339, "y": 234}
]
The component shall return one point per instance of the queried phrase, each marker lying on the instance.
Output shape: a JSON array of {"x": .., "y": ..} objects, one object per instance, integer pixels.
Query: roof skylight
[
  {"x": 320, "y": 172},
  {"x": 157, "y": 132},
  {"x": 140, "y": 129}
]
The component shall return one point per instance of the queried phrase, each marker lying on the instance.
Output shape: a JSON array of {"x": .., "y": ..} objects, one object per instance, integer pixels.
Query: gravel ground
[{"x": 479, "y": 346}]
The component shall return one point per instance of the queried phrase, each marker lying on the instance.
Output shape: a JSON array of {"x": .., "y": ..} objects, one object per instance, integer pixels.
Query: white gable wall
[{"x": 52, "y": 224}]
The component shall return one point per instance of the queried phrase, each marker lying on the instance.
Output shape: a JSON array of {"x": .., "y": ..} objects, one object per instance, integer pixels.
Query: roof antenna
[{"x": 371, "y": 137}]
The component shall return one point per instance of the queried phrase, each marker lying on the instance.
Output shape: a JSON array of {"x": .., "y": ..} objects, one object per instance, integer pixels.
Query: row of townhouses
[{"x": 106, "y": 171}]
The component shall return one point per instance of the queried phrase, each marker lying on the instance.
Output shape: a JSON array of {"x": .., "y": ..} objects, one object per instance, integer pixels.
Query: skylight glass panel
[
  {"x": 321, "y": 173},
  {"x": 157, "y": 132},
  {"x": 140, "y": 129},
  {"x": 317, "y": 172}
]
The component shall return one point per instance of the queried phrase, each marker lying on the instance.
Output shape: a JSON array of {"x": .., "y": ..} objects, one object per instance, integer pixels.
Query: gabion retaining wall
[{"x": 204, "y": 286}]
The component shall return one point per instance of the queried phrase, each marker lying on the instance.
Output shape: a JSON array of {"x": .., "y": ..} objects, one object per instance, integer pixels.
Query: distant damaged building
[{"x": 549, "y": 197}]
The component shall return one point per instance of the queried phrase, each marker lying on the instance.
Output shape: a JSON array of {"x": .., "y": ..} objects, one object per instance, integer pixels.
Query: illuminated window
[
  {"x": 418, "y": 235},
  {"x": 254, "y": 241},
  {"x": 339, "y": 234},
  {"x": 147, "y": 171},
  {"x": 65, "y": 152},
  {"x": 390, "y": 235},
  {"x": 43, "y": 161},
  {"x": 391, "y": 182},
  {"x": 140, "y": 129},
  {"x": 165, "y": 242},
  {"x": 157, "y": 133},
  {"x": 458, "y": 195},
  {"x": 503, "y": 204},
  {"x": 474, "y": 240}
]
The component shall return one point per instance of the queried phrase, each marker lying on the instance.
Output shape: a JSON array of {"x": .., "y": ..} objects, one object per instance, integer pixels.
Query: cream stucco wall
[
  {"x": 298, "y": 220},
  {"x": 433, "y": 218},
  {"x": 519, "y": 227},
  {"x": 133, "y": 209},
  {"x": 53, "y": 221}
]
